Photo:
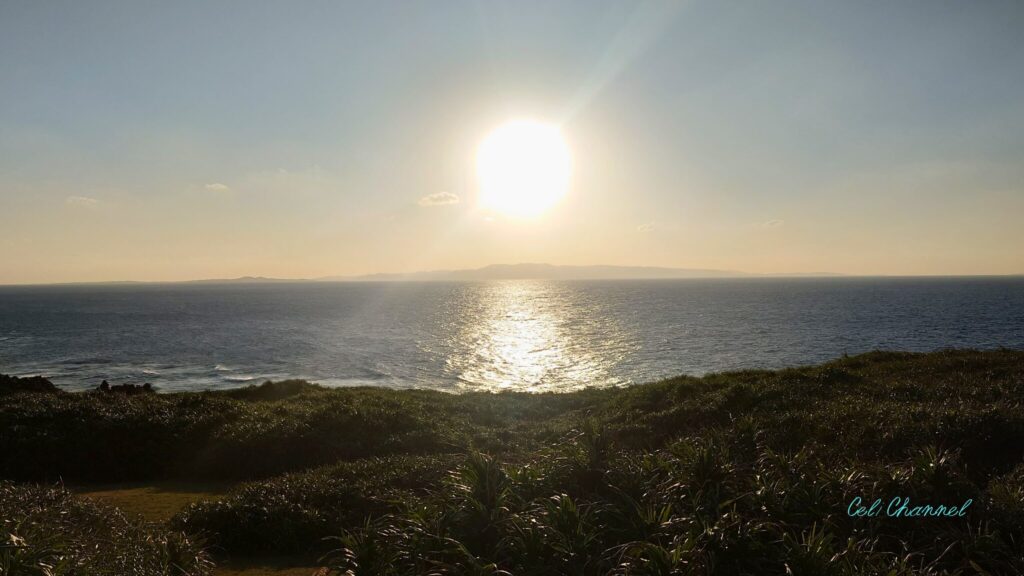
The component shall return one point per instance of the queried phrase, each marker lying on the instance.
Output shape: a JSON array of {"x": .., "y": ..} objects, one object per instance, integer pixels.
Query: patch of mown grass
[
  {"x": 153, "y": 502},
  {"x": 45, "y": 531}
]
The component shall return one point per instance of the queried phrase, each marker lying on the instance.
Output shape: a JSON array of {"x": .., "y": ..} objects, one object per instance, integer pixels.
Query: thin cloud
[
  {"x": 81, "y": 201},
  {"x": 648, "y": 227},
  {"x": 438, "y": 199},
  {"x": 773, "y": 223},
  {"x": 217, "y": 187}
]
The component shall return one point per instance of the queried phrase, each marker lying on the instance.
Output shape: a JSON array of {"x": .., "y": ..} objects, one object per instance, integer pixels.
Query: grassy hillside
[{"x": 740, "y": 473}]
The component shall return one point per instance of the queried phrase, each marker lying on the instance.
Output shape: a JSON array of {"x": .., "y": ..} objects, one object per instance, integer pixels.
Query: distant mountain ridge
[{"x": 537, "y": 271}]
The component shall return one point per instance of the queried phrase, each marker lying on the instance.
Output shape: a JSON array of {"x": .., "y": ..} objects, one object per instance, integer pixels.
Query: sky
[{"x": 184, "y": 140}]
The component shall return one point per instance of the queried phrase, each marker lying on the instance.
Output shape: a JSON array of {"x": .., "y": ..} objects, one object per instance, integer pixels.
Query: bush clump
[
  {"x": 293, "y": 513},
  {"x": 14, "y": 384},
  {"x": 45, "y": 531}
]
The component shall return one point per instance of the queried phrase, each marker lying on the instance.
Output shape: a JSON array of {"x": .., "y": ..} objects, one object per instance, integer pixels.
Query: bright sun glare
[{"x": 523, "y": 167}]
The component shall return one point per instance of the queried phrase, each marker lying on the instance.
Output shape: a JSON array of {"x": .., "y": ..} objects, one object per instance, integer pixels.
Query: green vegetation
[
  {"x": 154, "y": 502},
  {"x": 739, "y": 473},
  {"x": 47, "y": 532},
  {"x": 249, "y": 433}
]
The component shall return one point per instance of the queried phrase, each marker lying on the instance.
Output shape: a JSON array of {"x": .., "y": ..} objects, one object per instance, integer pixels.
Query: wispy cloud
[
  {"x": 773, "y": 223},
  {"x": 217, "y": 187},
  {"x": 648, "y": 227},
  {"x": 438, "y": 199},
  {"x": 81, "y": 201}
]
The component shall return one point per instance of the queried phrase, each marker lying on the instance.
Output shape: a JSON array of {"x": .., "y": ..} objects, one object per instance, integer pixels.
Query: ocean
[{"x": 500, "y": 335}]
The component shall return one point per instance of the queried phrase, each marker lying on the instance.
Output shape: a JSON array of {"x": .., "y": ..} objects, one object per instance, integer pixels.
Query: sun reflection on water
[{"x": 533, "y": 336}]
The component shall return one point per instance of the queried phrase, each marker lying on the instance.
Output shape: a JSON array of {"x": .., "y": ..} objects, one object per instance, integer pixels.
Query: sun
[{"x": 523, "y": 167}]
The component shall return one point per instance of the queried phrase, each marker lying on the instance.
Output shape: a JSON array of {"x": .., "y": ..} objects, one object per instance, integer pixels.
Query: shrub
[
  {"x": 293, "y": 513},
  {"x": 13, "y": 384},
  {"x": 46, "y": 532}
]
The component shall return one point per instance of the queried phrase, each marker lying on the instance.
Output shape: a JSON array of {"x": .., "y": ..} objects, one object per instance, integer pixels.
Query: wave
[
  {"x": 87, "y": 361},
  {"x": 239, "y": 378}
]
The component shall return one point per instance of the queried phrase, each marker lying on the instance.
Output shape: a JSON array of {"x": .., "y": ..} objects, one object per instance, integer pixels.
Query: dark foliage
[
  {"x": 272, "y": 390},
  {"x": 13, "y": 384},
  {"x": 254, "y": 432},
  {"x": 739, "y": 473},
  {"x": 294, "y": 512},
  {"x": 693, "y": 507},
  {"x": 106, "y": 388},
  {"x": 46, "y": 532}
]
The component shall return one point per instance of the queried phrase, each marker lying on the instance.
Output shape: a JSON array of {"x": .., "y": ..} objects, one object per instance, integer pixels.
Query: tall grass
[
  {"x": 44, "y": 531},
  {"x": 693, "y": 510},
  {"x": 738, "y": 473}
]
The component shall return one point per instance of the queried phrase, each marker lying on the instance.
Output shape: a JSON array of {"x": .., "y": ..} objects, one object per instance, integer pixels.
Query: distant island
[{"x": 537, "y": 271}]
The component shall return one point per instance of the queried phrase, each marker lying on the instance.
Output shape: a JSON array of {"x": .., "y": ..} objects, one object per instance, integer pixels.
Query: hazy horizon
[
  {"x": 200, "y": 140},
  {"x": 620, "y": 272}
]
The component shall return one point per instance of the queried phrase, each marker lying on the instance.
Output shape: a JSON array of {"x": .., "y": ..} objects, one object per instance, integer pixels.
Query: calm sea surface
[{"x": 530, "y": 335}]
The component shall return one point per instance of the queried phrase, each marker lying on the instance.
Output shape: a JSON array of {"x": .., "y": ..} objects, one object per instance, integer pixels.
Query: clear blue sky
[{"x": 210, "y": 139}]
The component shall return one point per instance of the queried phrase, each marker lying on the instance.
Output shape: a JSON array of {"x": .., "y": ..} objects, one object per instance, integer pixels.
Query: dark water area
[{"x": 523, "y": 335}]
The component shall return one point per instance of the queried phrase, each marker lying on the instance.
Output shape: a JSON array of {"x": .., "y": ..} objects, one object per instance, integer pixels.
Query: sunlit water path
[{"x": 508, "y": 335}]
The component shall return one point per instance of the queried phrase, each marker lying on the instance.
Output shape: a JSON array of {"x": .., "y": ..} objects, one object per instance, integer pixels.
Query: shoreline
[{"x": 332, "y": 384}]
